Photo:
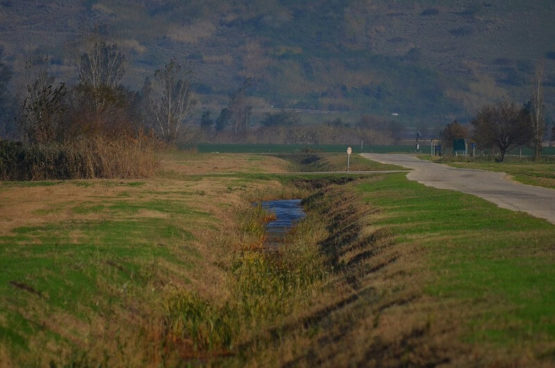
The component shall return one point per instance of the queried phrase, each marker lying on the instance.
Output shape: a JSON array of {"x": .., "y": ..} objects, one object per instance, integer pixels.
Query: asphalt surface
[{"x": 492, "y": 186}]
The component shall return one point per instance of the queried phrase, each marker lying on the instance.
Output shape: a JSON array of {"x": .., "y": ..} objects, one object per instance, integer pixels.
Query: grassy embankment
[
  {"x": 89, "y": 268},
  {"x": 524, "y": 170},
  {"x": 143, "y": 272},
  {"x": 166, "y": 270},
  {"x": 428, "y": 277},
  {"x": 491, "y": 267}
]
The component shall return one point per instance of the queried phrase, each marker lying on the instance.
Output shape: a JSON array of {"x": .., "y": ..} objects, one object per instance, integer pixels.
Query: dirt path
[{"x": 492, "y": 186}]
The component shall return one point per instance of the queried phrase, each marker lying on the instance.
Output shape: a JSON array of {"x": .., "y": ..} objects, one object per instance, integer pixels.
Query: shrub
[{"x": 96, "y": 157}]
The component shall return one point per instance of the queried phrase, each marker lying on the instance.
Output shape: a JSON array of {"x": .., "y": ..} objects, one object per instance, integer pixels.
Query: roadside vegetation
[
  {"x": 488, "y": 266},
  {"x": 502, "y": 127},
  {"x": 538, "y": 172}
]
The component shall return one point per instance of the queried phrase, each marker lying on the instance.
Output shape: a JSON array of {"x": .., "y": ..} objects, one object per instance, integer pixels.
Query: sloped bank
[
  {"x": 370, "y": 310},
  {"x": 324, "y": 298},
  {"x": 360, "y": 285}
]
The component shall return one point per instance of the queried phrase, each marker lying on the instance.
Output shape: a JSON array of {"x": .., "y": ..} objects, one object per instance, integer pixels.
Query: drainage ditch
[{"x": 288, "y": 213}]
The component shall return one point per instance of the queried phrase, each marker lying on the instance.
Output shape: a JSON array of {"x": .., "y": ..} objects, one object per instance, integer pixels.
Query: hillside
[{"x": 430, "y": 61}]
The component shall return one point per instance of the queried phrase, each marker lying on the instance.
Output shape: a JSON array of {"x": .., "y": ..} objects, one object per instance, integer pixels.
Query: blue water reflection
[{"x": 288, "y": 212}]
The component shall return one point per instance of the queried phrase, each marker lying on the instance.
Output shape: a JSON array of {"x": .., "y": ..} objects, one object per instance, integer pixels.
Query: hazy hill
[{"x": 430, "y": 61}]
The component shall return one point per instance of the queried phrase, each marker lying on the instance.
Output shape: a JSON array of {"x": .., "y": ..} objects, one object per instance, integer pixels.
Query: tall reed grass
[{"x": 94, "y": 157}]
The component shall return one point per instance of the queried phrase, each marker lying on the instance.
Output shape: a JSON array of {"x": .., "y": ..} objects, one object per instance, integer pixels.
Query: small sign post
[{"x": 349, "y": 151}]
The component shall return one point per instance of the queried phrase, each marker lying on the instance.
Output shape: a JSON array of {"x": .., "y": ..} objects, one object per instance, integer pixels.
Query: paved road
[{"x": 492, "y": 186}]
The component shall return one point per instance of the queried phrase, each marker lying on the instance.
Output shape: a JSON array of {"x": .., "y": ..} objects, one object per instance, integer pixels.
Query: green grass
[
  {"x": 135, "y": 246},
  {"x": 527, "y": 171},
  {"x": 132, "y": 207},
  {"x": 85, "y": 269},
  {"x": 497, "y": 261},
  {"x": 48, "y": 259}
]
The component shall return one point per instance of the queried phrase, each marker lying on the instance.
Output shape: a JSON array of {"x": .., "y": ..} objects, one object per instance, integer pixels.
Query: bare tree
[
  {"x": 537, "y": 112},
  {"x": 170, "y": 100},
  {"x": 42, "y": 111},
  {"x": 239, "y": 109},
  {"x": 100, "y": 73},
  {"x": 6, "y": 100},
  {"x": 102, "y": 66},
  {"x": 502, "y": 126}
]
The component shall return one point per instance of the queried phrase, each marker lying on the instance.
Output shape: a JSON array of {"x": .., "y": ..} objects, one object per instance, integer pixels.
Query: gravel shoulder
[{"x": 492, "y": 186}]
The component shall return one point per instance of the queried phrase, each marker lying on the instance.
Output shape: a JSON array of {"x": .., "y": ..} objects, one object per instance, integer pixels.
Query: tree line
[
  {"x": 95, "y": 127},
  {"x": 287, "y": 127}
]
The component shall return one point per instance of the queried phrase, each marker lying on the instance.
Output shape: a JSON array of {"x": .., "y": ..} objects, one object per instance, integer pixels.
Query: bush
[{"x": 96, "y": 157}]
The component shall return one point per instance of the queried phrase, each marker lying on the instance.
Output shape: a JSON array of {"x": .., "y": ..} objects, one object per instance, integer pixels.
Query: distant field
[
  {"x": 292, "y": 148},
  {"x": 331, "y": 161}
]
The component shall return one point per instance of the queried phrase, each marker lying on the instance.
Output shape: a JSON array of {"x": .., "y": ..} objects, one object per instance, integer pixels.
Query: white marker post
[{"x": 349, "y": 151}]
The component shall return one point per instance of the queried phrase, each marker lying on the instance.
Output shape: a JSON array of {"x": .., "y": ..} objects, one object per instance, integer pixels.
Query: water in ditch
[{"x": 288, "y": 212}]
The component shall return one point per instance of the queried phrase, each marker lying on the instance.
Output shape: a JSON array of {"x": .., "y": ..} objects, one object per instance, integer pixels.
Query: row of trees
[
  {"x": 98, "y": 103},
  {"x": 286, "y": 127},
  {"x": 96, "y": 127}
]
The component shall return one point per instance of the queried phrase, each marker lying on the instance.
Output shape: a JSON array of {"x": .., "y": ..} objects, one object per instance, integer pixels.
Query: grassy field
[
  {"x": 168, "y": 271},
  {"x": 431, "y": 277},
  {"x": 293, "y": 148},
  {"x": 88, "y": 265},
  {"x": 494, "y": 264},
  {"x": 315, "y": 162},
  {"x": 527, "y": 171}
]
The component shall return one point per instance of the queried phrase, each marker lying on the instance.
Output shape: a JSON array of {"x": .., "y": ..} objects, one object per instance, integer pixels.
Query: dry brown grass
[
  {"x": 368, "y": 309},
  {"x": 117, "y": 331},
  {"x": 373, "y": 311},
  {"x": 220, "y": 163},
  {"x": 91, "y": 157},
  {"x": 34, "y": 206}
]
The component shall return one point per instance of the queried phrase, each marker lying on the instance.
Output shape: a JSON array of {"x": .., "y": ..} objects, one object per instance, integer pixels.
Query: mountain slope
[{"x": 430, "y": 61}]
